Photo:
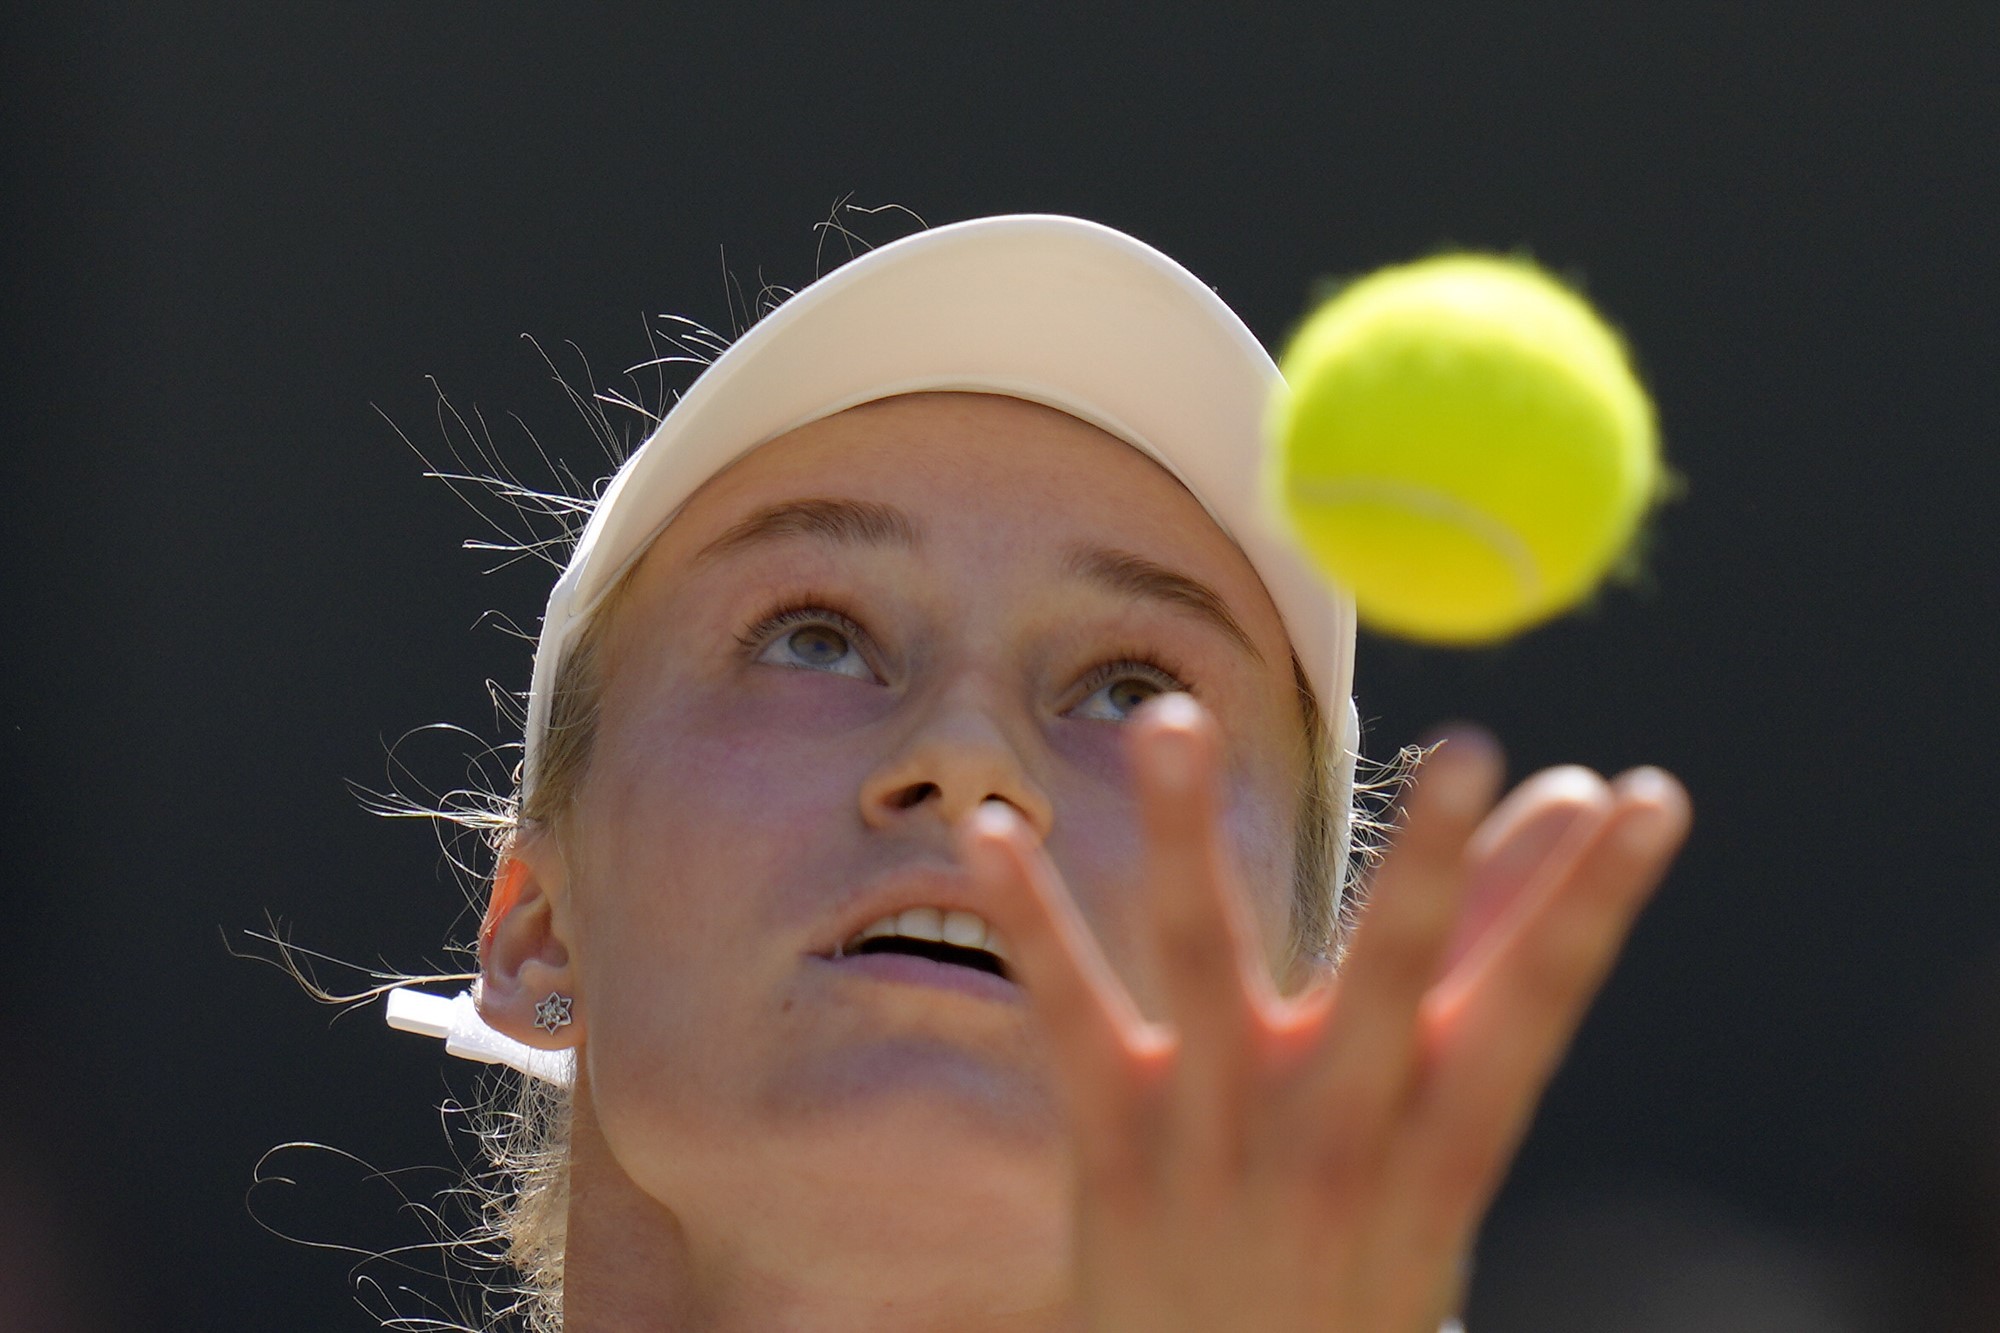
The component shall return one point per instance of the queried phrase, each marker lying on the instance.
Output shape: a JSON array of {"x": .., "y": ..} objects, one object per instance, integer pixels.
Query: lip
[
  {"x": 910, "y": 970},
  {"x": 939, "y": 884}
]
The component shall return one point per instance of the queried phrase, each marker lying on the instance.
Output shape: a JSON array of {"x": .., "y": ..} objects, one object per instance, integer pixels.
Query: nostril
[{"x": 914, "y": 794}]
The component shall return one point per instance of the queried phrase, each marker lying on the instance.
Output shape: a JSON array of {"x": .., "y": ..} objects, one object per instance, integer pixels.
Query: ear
[{"x": 524, "y": 951}]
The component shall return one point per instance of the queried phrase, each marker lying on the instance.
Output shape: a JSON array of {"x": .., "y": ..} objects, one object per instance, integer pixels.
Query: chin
[{"x": 917, "y": 1111}]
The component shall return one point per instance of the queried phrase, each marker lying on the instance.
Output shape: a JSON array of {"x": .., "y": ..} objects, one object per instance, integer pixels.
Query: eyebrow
[
  {"x": 848, "y": 522},
  {"x": 865, "y": 523},
  {"x": 1136, "y": 576}
]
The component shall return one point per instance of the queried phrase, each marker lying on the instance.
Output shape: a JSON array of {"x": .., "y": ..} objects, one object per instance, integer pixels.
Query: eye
[
  {"x": 1116, "y": 690},
  {"x": 811, "y": 638}
]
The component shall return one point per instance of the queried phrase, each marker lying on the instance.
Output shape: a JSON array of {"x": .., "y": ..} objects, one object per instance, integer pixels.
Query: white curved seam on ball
[{"x": 1504, "y": 541}]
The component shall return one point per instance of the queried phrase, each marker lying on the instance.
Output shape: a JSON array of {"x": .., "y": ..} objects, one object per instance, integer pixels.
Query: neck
[{"x": 783, "y": 1263}]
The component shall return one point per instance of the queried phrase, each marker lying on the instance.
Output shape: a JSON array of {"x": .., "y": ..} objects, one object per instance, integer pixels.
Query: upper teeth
[{"x": 967, "y": 930}]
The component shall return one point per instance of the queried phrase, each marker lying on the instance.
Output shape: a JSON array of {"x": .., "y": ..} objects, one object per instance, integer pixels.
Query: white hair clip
[{"x": 455, "y": 1019}]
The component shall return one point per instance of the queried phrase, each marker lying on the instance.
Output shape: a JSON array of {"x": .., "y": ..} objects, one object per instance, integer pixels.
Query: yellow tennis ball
[{"x": 1463, "y": 446}]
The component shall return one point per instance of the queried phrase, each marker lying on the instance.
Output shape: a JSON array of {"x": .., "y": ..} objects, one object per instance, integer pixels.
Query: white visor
[{"x": 1055, "y": 310}]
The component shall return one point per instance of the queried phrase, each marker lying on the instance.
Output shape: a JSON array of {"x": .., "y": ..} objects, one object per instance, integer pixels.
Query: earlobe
[{"x": 526, "y": 982}]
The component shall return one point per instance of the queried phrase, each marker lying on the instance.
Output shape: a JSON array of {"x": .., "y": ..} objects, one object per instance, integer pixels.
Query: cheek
[
  {"x": 706, "y": 810},
  {"x": 1263, "y": 829},
  {"x": 699, "y": 828}
]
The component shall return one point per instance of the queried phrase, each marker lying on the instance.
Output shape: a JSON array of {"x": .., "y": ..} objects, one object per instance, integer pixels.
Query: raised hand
[{"x": 1320, "y": 1161}]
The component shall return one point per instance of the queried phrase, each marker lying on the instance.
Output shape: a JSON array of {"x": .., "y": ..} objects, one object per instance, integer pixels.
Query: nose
[{"x": 956, "y": 753}]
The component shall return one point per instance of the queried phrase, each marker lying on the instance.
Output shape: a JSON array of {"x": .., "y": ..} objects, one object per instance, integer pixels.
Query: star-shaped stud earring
[{"x": 553, "y": 1013}]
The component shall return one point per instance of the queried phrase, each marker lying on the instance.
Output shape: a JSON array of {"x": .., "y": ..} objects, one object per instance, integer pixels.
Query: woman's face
[{"x": 839, "y": 648}]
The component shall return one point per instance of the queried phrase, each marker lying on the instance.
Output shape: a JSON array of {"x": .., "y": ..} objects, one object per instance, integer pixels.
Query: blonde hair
[{"x": 527, "y": 1201}]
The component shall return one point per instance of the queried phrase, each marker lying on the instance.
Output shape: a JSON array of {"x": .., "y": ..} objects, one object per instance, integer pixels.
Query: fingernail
[
  {"x": 1663, "y": 804},
  {"x": 993, "y": 819},
  {"x": 1458, "y": 772},
  {"x": 1459, "y": 736},
  {"x": 1649, "y": 784}
]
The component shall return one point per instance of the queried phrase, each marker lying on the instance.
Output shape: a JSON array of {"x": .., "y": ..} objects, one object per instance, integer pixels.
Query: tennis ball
[{"x": 1462, "y": 445}]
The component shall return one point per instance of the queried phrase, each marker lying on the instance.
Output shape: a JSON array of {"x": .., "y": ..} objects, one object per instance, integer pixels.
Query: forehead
[
  {"x": 933, "y": 438},
  {"x": 987, "y": 471}
]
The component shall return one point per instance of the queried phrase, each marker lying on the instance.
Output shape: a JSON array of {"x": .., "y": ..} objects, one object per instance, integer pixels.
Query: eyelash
[
  {"x": 798, "y": 611},
  {"x": 1118, "y": 668},
  {"x": 816, "y": 610}
]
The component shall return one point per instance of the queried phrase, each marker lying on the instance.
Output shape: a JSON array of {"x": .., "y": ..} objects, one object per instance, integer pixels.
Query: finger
[
  {"x": 1099, "y": 1042},
  {"x": 1505, "y": 1021},
  {"x": 1211, "y": 967},
  {"x": 1368, "y": 1053},
  {"x": 1512, "y": 844}
]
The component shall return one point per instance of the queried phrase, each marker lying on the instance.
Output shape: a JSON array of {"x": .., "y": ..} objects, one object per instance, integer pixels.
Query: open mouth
[
  {"x": 955, "y": 938},
  {"x": 937, "y": 951}
]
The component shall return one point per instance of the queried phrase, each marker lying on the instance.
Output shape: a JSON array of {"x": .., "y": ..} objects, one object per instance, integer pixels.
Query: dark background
[{"x": 234, "y": 232}]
